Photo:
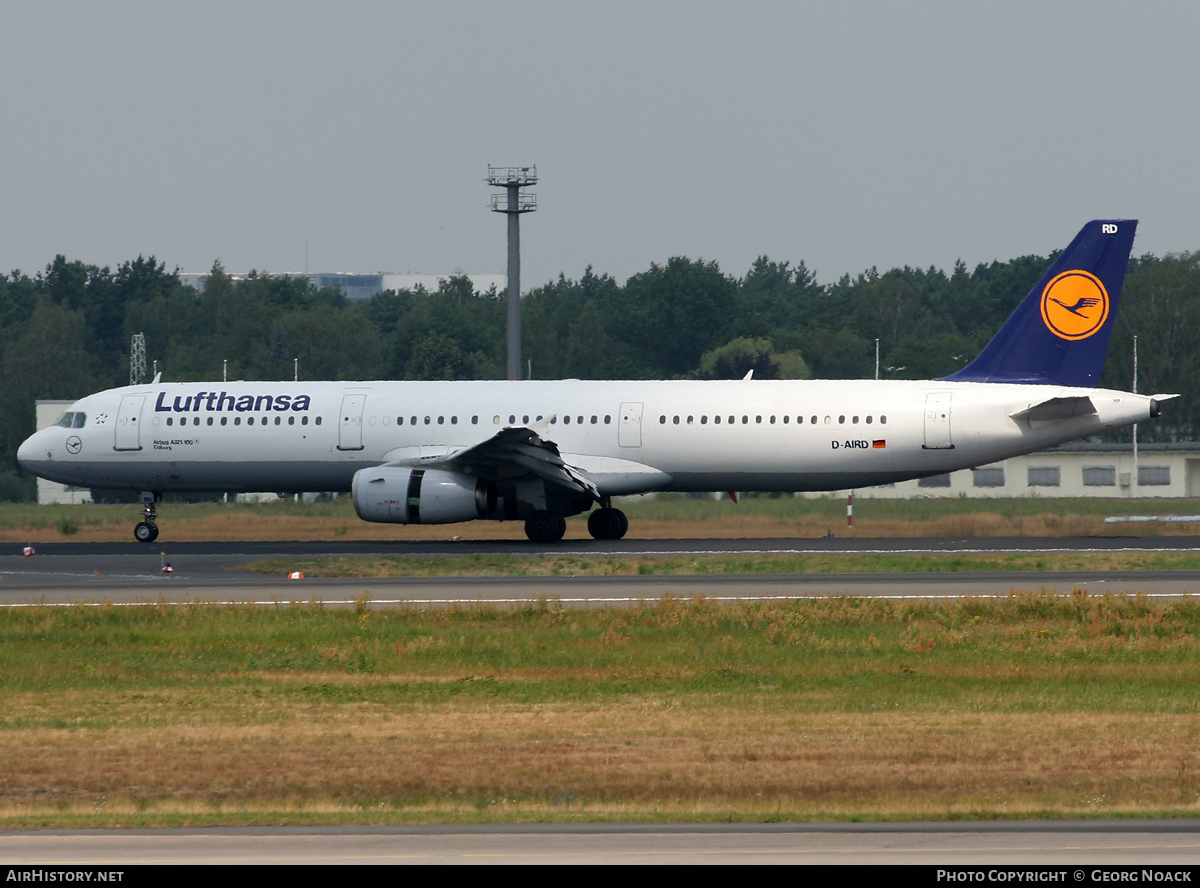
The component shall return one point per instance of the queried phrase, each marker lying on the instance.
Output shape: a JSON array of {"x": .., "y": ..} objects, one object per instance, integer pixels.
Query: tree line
[{"x": 65, "y": 331}]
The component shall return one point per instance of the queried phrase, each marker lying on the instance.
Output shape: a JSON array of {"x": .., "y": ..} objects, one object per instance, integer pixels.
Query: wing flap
[{"x": 511, "y": 453}]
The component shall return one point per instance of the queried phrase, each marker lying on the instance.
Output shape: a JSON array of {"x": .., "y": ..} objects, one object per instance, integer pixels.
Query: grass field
[
  {"x": 663, "y": 517},
  {"x": 836, "y": 709}
]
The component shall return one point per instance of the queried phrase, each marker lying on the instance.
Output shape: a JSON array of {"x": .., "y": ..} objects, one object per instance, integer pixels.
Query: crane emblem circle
[
  {"x": 74, "y": 445},
  {"x": 1075, "y": 305}
]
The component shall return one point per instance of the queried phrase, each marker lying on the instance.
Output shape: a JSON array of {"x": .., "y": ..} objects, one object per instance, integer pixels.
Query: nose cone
[{"x": 31, "y": 454}]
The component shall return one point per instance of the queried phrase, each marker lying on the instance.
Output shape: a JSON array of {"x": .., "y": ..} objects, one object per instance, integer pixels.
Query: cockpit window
[
  {"x": 72, "y": 420},
  {"x": 80, "y": 420},
  {"x": 65, "y": 420}
]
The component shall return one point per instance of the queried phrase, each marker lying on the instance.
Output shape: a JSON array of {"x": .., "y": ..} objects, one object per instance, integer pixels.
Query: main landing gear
[
  {"x": 608, "y": 523},
  {"x": 545, "y": 527},
  {"x": 146, "y": 530},
  {"x": 605, "y": 523}
]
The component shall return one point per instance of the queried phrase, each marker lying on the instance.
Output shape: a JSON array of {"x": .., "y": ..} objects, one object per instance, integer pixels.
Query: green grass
[{"x": 1074, "y": 651}]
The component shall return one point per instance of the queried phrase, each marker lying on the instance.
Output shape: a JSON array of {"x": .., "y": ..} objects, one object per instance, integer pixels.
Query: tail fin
[{"x": 1059, "y": 333}]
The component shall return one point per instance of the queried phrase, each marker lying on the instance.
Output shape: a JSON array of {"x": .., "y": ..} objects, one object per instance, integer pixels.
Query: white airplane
[{"x": 444, "y": 452}]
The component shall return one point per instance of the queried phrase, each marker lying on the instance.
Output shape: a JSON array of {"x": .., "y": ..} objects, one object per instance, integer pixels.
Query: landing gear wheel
[
  {"x": 545, "y": 527},
  {"x": 145, "y": 532},
  {"x": 608, "y": 524}
]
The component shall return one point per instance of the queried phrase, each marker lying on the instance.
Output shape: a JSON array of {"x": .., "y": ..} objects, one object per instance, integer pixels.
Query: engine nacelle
[{"x": 420, "y": 496}]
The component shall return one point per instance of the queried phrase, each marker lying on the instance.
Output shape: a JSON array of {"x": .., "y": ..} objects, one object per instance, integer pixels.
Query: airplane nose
[{"x": 29, "y": 453}]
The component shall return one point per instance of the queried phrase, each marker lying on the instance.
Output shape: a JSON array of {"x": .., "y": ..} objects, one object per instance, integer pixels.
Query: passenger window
[
  {"x": 399, "y": 420},
  {"x": 854, "y": 420},
  {"x": 278, "y": 420},
  {"x": 704, "y": 419},
  {"x": 170, "y": 421},
  {"x": 525, "y": 420},
  {"x": 224, "y": 420},
  {"x": 210, "y": 420},
  {"x": 675, "y": 420},
  {"x": 304, "y": 420},
  {"x": 454, "y": 420},
  {"x": 607, "y": 419},
  {"x": 813, "y": 420},
  {"x": 745, "y": 420},
  {"x": 474, "y": 420},
  {"x": 868, "y": 420},
  {"x": 412, "y": 420},
  {"x": 291, "y": 420},
  {"x": 772, "y": 419},
  {"x": 662, "y": 420},
  {"x": 249, "y": 421},
  {"x": 318, "y": 420},
  {"x": 441, "y": 420},
  {"x": 717, "y": 420},
  {"x": 690, "y": 420},
  {"x": 237, "y": 420},
  {"x": 593, "y": 420},
  {"x": 566, "y": 420},
  {"x": 786, "y": 419},
  {"x": 841, "y": 420},
  {"x": 883, "y": 419}
]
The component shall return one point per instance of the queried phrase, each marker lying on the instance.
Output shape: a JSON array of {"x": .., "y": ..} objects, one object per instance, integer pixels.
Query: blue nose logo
[{"x": 74, "y": 445}]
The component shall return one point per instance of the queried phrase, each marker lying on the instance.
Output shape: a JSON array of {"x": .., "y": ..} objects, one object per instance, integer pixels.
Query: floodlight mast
[{"x": 513, "y": 203}]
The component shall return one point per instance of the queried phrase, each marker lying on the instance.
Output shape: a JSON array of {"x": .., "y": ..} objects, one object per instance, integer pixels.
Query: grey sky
[{"x": 843, "y": 134}]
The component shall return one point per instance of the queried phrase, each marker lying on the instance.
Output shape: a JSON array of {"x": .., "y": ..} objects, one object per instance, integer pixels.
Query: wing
[{"x": 511, "y": 453}]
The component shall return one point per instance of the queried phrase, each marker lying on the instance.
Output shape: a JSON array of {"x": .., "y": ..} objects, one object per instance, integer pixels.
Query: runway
[
  {"x": 1086, "y": 846},
  {"x": 131, "y": 573}
]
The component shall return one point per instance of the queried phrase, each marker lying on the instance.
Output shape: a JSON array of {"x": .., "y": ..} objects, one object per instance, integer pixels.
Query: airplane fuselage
[{"x": 628, "y": 436}]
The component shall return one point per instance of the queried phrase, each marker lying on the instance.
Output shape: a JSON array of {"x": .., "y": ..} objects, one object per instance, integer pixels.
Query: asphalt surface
[
  {"x": 990, "y": 849},
  {"x": 133, "y": 573}
]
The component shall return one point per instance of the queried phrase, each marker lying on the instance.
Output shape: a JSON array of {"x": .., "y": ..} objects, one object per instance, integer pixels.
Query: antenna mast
[{"x": 137, "y": 359}]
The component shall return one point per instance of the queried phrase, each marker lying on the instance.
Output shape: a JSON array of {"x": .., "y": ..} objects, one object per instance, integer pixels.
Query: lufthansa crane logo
[{"x": 1074, "y": 305}]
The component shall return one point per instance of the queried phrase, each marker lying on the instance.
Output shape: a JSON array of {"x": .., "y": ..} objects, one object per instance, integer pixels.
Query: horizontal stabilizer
[{"x": 1055, "y": 409}]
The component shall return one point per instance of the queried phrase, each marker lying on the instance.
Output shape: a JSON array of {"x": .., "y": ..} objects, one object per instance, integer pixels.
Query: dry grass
[
  {"x": 620, "y": 760},
  {"x": 696, "y": 519}
]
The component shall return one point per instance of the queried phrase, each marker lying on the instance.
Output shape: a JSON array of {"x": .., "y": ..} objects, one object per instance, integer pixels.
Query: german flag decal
[{"x": 879, "y": 445}]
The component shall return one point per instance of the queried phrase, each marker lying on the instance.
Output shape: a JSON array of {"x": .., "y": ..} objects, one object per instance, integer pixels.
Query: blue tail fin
[{"x": 1059, "y": 333}]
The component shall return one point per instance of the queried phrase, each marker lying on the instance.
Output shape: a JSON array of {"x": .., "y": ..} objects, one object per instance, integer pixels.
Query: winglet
[{"x": 1059, "y": 333}]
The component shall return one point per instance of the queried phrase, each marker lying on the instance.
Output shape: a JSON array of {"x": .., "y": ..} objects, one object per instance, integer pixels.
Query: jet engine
[{"x": 420, "y": 496}]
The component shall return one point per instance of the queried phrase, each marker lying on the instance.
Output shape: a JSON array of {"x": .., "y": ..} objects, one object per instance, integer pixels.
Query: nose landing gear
[{"x": 146, "y": 530}]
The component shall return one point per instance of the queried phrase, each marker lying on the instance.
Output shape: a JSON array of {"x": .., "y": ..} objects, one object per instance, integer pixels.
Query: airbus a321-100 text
[{"x": 533, "y": 451}]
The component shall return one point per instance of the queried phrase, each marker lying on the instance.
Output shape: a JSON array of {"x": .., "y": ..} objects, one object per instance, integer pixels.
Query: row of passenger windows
[
  {"x": 771, "y": 420},
  {"x": 496, "y": 420},
  {"x": 237, "y": 420}
]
